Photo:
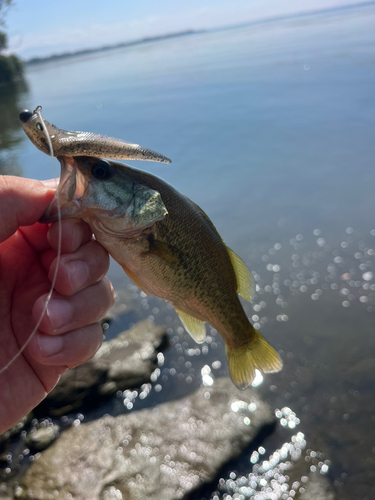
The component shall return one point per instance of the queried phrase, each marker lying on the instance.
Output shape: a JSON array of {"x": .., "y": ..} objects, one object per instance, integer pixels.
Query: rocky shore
[{"x": 174, "y": 450}]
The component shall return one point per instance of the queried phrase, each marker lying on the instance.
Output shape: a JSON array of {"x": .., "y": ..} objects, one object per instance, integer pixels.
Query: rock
[
  {"x": 307, "y": 472},
  {"x": 41, "y": 438},
  {"x": 122, "y": 363},
  {"x": 130, "y": 357},
  {"x": 162, "y": 453},
  {"x": 4, "y": 492},
  {"x": 317, "y": 488}
]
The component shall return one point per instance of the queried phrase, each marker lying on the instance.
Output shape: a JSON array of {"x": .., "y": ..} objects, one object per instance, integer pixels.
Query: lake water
[{"x": 270, "y": 129}]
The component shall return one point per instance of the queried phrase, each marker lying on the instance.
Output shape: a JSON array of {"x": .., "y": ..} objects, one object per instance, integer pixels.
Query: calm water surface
[{"x": 271, "y": 131}]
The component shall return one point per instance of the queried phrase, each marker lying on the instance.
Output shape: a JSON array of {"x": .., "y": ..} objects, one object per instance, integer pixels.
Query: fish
[{"x": 165, "y": 243}]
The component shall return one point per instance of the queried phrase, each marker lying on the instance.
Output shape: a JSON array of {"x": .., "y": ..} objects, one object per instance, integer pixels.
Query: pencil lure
[{"x": 169, "y": 248}]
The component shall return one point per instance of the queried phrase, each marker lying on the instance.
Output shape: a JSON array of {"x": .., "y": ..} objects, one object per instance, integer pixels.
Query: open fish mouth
[{"x": 67, "y": 201}]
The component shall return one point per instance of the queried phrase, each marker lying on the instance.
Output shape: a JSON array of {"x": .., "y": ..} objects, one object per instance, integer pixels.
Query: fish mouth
[
  {"x": 59, "y": 210},
  {"x": 67, "y": 201}
]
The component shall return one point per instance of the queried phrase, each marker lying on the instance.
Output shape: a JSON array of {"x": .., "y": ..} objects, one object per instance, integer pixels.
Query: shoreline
[{"x": 67, "y": 55}]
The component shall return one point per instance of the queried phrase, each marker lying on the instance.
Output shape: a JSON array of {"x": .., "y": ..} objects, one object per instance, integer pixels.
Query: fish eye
[
  {"x": 39, "y": 127},
  {"x": 101, "y": 171}
]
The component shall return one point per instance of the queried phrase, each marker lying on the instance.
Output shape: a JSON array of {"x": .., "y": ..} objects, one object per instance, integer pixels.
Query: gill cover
[{"x": 67, "y": 143}]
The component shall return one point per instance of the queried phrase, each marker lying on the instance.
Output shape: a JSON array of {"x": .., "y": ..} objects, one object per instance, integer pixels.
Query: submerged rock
[
  {"x": 161, "y": 453},
  {"x": 4, "y": 492},
  {"x": 122, "y": 363},
  {"x": 41, "y": 438},
  {"x": 317, "y": 488}
]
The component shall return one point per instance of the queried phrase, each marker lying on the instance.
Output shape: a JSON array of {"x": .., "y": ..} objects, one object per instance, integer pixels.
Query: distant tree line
[
  {"x": 11, "y": 67},
  {"x": 83, "y": 52}
]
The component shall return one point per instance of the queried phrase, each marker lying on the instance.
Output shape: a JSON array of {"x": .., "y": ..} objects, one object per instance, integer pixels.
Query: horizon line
[{"x": 189, "y": 32}]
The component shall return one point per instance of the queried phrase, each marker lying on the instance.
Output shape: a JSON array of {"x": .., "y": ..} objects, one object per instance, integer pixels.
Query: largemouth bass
[{"x": 165, "y": 243}]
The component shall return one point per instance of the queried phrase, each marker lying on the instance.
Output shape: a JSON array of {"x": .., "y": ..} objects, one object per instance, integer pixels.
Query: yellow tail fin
[{"x": 257, "y": 354}]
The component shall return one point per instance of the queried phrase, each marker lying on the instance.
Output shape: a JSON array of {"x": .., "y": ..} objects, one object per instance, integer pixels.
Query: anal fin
[{"x": 195, "y": 327}]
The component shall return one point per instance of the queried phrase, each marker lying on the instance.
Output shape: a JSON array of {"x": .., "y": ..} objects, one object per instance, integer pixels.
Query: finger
[
  {"x": 51, "y": 183},
  {"x": 69, "y": 313},
  {"x": 36, "y": 235},
  {"x": 78, "y": 270},
  {"x": 74, "y": 233},
  {"x": 22, "y": 203},
  {"x": 69, "y": 349}
]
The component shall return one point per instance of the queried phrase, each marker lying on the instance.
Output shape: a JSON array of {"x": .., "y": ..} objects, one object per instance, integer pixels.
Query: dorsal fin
[
  {"x": 245, "y": 282},
  {"x": 195, "y": 327}
]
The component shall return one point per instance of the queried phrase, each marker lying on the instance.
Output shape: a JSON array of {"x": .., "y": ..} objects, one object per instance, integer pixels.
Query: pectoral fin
[
  {"x": 195, "y": 327},
  {"x": 245, "y": 283},
  {"x": 163, "y": 252}
]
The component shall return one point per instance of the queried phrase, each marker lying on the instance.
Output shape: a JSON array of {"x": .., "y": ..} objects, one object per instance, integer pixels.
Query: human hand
[{"x": 69, "y": 333}]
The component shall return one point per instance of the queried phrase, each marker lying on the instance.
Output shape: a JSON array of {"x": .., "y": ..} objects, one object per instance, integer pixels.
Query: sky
[{"x": 40, "y": 27}]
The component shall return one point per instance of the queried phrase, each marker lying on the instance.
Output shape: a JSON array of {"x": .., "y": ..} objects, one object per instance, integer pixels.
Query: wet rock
[
  {"x": 4, "y": 492},
  {"x": 41, "y": 438},
  {"x": 307, "y": 477},
  {"x": 122, "y": 363},
  {"x": 130, "y": 357},
  {"x": 161, "y": 453},
  {"x": 317, "y": 488}
]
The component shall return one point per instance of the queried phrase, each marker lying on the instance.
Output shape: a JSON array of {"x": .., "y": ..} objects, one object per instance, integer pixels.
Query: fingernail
[
  {"x": 49, "y": 344},
  {"x": 78, "y": 273},
  {"x": 59, "y": 312}
]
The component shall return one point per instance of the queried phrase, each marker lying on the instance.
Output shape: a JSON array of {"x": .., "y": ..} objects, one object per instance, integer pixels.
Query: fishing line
[{"x": 58, "y": 256}]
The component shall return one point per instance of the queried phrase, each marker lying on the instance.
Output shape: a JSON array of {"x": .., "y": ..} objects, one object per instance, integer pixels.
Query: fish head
[
  {"x": 35, "y": 129},
  {"x": 104, "y": 195}
]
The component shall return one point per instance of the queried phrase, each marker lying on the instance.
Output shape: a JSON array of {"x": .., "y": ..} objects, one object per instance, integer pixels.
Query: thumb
[{"x": 22, "y": 203}]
